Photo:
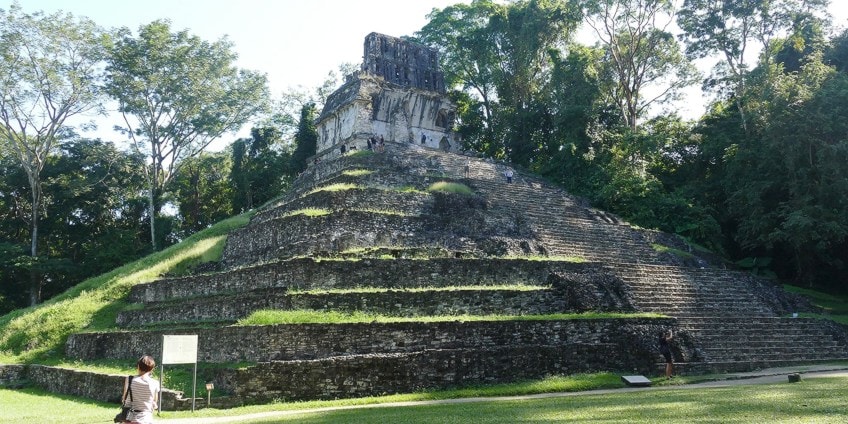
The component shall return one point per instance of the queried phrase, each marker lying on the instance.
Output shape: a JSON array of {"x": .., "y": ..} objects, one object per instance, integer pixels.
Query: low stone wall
[
  {"x": 86, "y": 384},
  {"x": 374, "y": 375},
  {"x": 453, "y": 354},
  {"x": 12, "y": 375},
  {"x": 626, "y": 349},
  {"x": 308, "y": 274},
  {"x": 312, "y": 341}
]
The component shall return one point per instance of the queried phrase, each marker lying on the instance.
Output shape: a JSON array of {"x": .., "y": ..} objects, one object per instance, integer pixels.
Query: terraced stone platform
[{"x": 381, "y": 243}]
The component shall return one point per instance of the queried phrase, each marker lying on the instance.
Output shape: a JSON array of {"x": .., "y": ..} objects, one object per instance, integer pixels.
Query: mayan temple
[
  {"x": 372, "y": 231},
  {"x": 398, "y": 94}
]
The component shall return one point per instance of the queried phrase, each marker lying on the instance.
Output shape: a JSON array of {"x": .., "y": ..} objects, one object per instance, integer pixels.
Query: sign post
[{"x": 180, "y": 350}]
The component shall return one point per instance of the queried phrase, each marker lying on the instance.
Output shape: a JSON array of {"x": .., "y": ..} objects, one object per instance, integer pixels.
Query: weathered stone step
[
  {"x": 745, "y": 340},
  {"x": 695, "y": 302},
  {"x": 401, "y": 303},
  {"x": 316, "y": 274},
  {"x": 380, "y": 374},
  {"x": 682, "y": 313},
  {"x": 394, "y": 201},
  {"x": 776, "y": 356},
  {"x": 751, "y": 323},
  {"x": 729, "y": 366},
  {"x": 685, "y": 295},
  {"x": 753, "y": 329},
  {"x": 693, "y": 311},
  {"x": 825, "y": 348},
  {"x": 311, "y": 341}
]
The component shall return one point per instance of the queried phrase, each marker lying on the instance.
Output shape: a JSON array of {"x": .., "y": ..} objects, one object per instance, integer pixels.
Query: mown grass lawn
[
  {"x": 812, "y": 401},
  {"x": 822, "y": 400}
]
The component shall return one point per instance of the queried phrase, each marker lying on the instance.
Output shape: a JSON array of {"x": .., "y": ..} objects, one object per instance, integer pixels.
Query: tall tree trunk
[
  {"x": 742, "y": 116},
  {"x": 34, "y": 278},
  {"x": 151, "y": 208}
]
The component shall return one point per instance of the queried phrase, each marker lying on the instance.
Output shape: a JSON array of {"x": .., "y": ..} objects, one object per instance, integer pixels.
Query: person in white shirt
[{"x": 145, "y": 392}]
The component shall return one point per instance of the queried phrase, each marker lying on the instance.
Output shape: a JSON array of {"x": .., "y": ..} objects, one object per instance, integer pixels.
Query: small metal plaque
[{"x": 635, "y": 380}]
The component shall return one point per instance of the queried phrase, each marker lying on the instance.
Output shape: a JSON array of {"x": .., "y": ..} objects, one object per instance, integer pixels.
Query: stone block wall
[
  {"x": 394, "y": 303},
  {"x": 308, "y": 274},
  {"x": 400, "y": 165},
  {"x": 472, "y": 233},
  {"x": 409, "y": 203},
  {"x": 459, "y": 354},
  {"x": 334, "y": 233},
  {"x": 374, "y": 375},
  {"x": 312, "y": 341},
  {"x": 12, "y": 375}
]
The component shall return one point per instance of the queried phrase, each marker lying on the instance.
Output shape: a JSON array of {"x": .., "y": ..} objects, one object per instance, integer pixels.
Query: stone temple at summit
[{"x": 399, "y": 93}]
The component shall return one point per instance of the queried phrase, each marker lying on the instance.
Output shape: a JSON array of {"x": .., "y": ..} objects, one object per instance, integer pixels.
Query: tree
[
  {"x": 646, "y": 64},
  {"x": 579, "y": 114},
  {"x": 178, "y": 93},
  {"x": 306, "y": 139},
  {"x": 259, "y": 167},
  {"x": 92, "y": 217},
  {"x": 729, "y": 27},
  {"x": 792, "y": 204},
  {"x": 524, "y": 35},
  {"x": 202, "y": 191},
  {"x": 461, "y": 35},
  {"x": 286, "y": 110},
  {"x": 94, "y": 196},
  {"x": 48, "y": 74},
  {"x": 501, "y": 54}
]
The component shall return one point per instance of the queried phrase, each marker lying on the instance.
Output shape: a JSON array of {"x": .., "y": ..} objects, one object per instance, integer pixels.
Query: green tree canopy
[
  {"x": 177, "y": 94},
  {"x": 645, "y": 63},
  {"x": 49, "y": 70},
  {"x": 306, "y": 139}
]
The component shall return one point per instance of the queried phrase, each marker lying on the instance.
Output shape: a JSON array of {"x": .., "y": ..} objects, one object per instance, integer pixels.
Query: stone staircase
[{"x": 384, "y": 245}]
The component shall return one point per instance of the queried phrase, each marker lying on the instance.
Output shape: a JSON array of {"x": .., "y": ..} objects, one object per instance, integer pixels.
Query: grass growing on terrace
[
  {"x": 542, "y": 258},
  {"x": 502, "y": 287},
  {"x": 310, "y": 212},
  {"x": 360, "y": 153},
  {"x": 447, "y": 187},
  {"x": 39, "y": 332},
  {"x": 665, "y": 249},
  {"x": 835, "y": 306},
  {"x": 336, "y": 187},
  {"x": 303, "y": 316},
  {"x": 408, "y": 189},
  {"x": 378, "y": 211},
  {"x": 357, "y": 172}
]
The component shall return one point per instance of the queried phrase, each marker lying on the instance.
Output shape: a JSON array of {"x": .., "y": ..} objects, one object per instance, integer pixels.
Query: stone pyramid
[{"x": 373, "y": 231}]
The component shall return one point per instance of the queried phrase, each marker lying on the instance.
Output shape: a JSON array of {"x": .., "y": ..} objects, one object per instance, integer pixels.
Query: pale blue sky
[{"x": 295, "y": 42}]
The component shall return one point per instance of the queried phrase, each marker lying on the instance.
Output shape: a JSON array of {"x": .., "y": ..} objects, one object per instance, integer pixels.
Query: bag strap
[{"x": 127, "y": 389}]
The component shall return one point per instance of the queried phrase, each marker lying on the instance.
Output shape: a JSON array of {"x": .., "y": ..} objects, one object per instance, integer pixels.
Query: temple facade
[{"x": 399, "y": 94}]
